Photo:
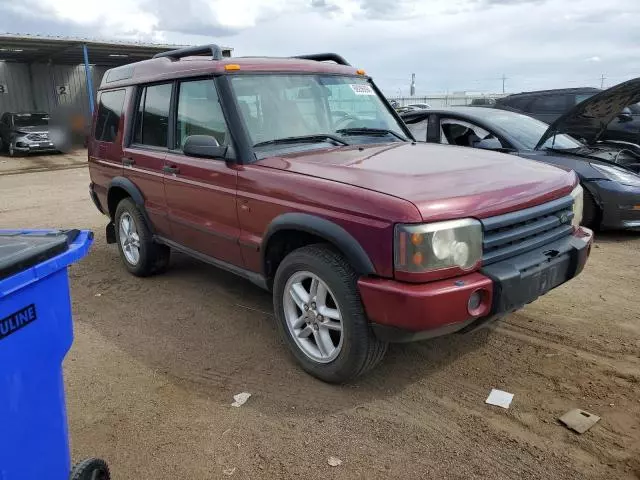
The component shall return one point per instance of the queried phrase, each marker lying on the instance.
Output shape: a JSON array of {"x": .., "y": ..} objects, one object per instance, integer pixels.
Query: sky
[{"x": 450, "y": 45}]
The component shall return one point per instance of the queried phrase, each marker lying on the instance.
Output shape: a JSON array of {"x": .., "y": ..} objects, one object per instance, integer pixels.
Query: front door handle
[
  {"x": 170, "y": 169},
  {"x": 127, "y": 161}
]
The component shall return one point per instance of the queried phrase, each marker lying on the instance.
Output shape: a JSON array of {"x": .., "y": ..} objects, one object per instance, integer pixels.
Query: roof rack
[
  {"x": 324, "y": 57},
  {"x": 214, "y": 50}
]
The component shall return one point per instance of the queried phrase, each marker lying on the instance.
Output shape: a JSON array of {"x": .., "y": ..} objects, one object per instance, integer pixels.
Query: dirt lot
[{"x": 156, "y": 362}]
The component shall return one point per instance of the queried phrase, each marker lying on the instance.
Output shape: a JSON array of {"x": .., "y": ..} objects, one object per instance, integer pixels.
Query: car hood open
[
  {"x": 441, "y": 181},
  {"x": 589, "y": 119}
]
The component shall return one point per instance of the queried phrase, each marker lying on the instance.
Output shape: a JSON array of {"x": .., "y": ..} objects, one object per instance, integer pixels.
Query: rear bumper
[
  {"x": 401, "y": 312},
  {"x": 620, "y": 204}
]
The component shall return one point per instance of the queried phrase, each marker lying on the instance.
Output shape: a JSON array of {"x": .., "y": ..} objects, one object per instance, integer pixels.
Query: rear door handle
[
  {"x": 126, "y": 161},
  {"x": 170, "y": 169}
]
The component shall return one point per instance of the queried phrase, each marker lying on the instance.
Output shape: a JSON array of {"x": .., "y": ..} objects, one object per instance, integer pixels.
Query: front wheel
[
  {"x": 320, "y": 315},
  {"x": 590, "y": 212}
]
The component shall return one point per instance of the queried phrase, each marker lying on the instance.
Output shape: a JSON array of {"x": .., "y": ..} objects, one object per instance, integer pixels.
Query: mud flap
[{"x": 111, "y": 232}]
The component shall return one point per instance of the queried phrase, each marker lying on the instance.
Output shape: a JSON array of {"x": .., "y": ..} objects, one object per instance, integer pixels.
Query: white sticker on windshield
[{"x": 362, "y": 89}]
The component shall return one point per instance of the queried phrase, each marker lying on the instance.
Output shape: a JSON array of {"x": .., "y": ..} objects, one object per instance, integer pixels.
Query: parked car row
[
  {"x": 579, "y": 139},
  {"x": 298, "y": 175}
]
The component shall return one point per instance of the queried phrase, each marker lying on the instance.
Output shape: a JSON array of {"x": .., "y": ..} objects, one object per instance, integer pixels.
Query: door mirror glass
[{"x": 204, "y": 146}]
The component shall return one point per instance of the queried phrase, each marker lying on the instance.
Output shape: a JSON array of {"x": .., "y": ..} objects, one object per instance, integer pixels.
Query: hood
[
  {"x": 442, "y": 181},
  {"x": 589, "y": 119}
]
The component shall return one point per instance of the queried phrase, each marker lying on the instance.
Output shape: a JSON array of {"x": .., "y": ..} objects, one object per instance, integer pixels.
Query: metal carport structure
[{"x": 38, "y": 73}]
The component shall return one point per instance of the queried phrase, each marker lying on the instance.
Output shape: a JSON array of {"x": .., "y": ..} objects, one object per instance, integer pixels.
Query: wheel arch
[
  {"x": 119, "y": 188},
  {"x": 292, "y": 230}
]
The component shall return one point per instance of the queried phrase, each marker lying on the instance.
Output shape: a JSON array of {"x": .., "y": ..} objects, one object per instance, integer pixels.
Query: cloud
[
  {"x": 325, "y": 6},
  {"x": 449, "y": 44}
]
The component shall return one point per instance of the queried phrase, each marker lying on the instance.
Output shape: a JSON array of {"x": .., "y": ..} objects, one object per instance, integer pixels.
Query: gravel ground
[{"x": 156, "y": 362}]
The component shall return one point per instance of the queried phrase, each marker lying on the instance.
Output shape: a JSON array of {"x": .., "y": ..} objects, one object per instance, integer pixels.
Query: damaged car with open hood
[{"x": 609, "y": 171}]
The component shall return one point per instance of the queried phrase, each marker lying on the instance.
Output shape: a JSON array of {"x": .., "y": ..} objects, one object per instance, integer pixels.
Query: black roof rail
[
  {"x": 323, "y": 57},
  {"x": 214, "y": 50}
]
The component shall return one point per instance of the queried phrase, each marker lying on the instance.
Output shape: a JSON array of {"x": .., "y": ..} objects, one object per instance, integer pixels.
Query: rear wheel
[
  {"x": 320, "y": 315},
  {"x": 90, "y": 469},
  {"x": 590, "y": 211},
  {"x": 140, "y": 254}
]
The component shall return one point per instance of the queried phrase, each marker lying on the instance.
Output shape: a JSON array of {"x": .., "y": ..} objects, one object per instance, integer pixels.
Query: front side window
[
  {"x": 152, "y": 116},
  {"x": 465, "y": 134},
  {"x": 109, "y": 113},
  {"x": 199, "y": 112},
  {"x": 276, "y": 107}
]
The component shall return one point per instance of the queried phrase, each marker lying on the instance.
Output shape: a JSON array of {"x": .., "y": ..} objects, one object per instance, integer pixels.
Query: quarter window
[
  {"x": 152, "y": 116},
  {"x": 109, "y": 113}
]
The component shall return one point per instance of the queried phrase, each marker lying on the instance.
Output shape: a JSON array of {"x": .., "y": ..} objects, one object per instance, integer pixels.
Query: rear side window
[
  {"x": 109, "y": 113},
  {"x": 152, "y": 116},
  {"x": 550, "y": 103},
  {"x": 519, "y": 103}
]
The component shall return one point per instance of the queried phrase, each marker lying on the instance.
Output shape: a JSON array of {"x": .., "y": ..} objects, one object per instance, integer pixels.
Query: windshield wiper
[
  {"x": 369, "y": 131},
  {"x": 303, "y": 139}
]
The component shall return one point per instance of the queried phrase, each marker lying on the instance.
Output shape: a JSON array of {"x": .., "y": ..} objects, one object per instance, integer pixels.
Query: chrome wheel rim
[
  {"x": 313, "y": 317},
  {"x": 129, "y": 239}
]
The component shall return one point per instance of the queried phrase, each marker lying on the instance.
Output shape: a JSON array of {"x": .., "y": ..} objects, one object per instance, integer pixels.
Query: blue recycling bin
[{"x": 36, "y": 332}]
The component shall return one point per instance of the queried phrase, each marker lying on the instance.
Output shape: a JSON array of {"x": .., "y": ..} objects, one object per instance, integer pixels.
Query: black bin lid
[{"x": 20, "y": 250}]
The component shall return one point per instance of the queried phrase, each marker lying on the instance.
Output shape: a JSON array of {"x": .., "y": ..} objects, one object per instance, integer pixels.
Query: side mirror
[
  {"x": 625, "y": 115},
  {"x": 204, "y": 146},
  {"x": 491, "y": 143}
]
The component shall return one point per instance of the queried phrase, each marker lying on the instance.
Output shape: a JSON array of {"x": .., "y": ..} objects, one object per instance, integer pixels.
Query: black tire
[
  {"x": 12, "y": 153},
  {"x": 90, "y": 469},
  {"x": 591, "y": 214},
  {"x": 154, "y": 258},
  {"x": 361, "y": 350}
]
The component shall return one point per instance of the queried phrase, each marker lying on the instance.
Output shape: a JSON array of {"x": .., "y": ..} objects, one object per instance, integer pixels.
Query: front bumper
[
  {"x": 401, "y": 312},
  {"x": 620, "y": 204},
  {"x": 25, "y": 145}
]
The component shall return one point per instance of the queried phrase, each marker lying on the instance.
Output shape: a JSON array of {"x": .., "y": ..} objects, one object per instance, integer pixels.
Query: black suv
[{"x": 549, "y": 105}]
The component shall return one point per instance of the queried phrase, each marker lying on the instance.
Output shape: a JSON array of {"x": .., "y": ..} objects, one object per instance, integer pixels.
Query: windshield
[
  {"x": 31, "y": 120},
  {"x": 276, "y": 107},
  {"x": 527, "y": 131}
]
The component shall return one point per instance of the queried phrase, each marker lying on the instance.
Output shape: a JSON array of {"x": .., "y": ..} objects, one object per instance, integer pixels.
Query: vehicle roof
[
  {"x": 164, "y": 68},
  {"x": 468, "y": 112},
  {"x": 554, "y": 90}
]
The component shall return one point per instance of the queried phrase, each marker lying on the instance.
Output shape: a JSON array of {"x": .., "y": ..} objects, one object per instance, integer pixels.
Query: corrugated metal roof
[{"x": 65, "y": 50}]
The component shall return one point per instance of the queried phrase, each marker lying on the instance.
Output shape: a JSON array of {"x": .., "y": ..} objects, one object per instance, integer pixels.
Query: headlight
[
  {"x": 433, "y": 246},
  {"x": 618, "y": 174},
  {"x": 578, "y": 205}
]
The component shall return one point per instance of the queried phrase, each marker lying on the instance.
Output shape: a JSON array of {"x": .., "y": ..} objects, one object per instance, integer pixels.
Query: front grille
[
  {"x": 518, "y": 232},
  {"x": 38, "y": 137}
]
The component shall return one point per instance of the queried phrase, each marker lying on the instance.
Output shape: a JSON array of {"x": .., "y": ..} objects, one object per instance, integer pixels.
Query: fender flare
[
  {"x": 135, "y": 194},
  {"x": 325, "y": 229}
]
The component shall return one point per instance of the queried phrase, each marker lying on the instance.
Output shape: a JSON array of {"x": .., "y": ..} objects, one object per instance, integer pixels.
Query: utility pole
[
  {"x": 412, "y": 88},
  {"x": 503, "y": 80},
  {"x": 602, "y": 81}
]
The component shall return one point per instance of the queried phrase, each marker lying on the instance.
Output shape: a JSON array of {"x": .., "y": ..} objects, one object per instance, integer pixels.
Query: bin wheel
[{"x": 91, "y": 469}]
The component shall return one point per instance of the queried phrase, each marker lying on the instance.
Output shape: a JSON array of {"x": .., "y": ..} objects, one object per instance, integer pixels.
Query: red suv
[{"x": 297, "y": 174}]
